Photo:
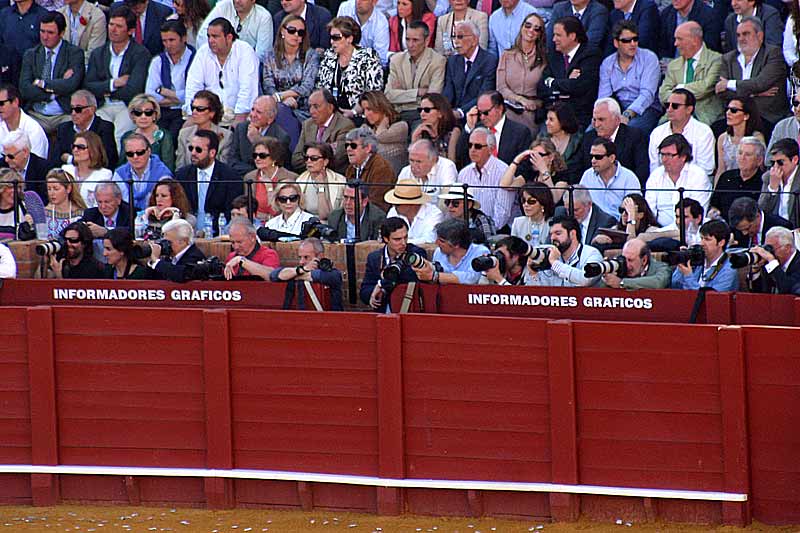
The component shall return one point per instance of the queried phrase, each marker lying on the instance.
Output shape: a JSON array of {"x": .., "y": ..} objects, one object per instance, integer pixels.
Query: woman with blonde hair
[
  {"x": 88, "y": 165},
  {"x": 145, "y": 114},
  {"x": 65, "y": 204},
  {"x": 288, "y": 202}
]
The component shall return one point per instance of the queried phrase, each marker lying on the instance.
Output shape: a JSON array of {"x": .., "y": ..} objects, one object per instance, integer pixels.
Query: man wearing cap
[
  {"x": 481, "y": 226},
  {"x": 410, "y": 203}
]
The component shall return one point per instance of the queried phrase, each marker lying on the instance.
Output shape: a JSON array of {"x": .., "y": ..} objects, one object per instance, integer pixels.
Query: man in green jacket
[{"x": 643, "y": 272}]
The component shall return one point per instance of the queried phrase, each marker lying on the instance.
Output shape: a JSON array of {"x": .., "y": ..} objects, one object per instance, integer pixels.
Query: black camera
[
  {"x": 694, "y": 255},
  {"x": 617, "y": 266},
  {"x": 314, "y": 228},
  {"x": 144, "y": 251},
  {"x": 56, "y": 247},
  {"x": 747, "y": 258},
  {"x": 211, "y": 268},
  {"x": 271, "y": 235},
  {"x": 390, "y": 275},
  {"x": 325, "y": 264},
  {"x": 489, "y": 261},
  {"x": 539, "y": 259}
]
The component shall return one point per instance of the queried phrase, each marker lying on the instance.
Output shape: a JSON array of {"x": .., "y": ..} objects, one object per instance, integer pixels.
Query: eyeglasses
[
  {"x": 200, "y": 108},
  {"x": 628, "y": 40},
  {"x": 674, "y": 105},
  {"x": 352, "y": 146},
  {"x": 145, "y": 112},
  {"x": 260, "y": 155},
  {"x": 530, "y": 26},
  {"x": 79, "y": 108},
  {"x": 780, "y": 162},
  {"x": 313, "y": 158},
  {"x": 453, "y": 203},
  {"x": 795, "y": 103},
  {"x": 286, "y": 199},
  {"x": 477, "y": 146},
  {"x": 485, "y": 113},
  {"x": 667, "y": 155},
  {"x": 336, "y": 37},
  {"x": 195, "y": 149},
  {"x": 461, "y": 36},
  {"x": 73, "y": 240},
  {"x": 137, "y": 153},
  {"x": 4, "y": 102},
  {"x": 79, "y": 147},
  {"x": 598, "y": 157},
  {"x": 734, "y": 110},
  {"x": 291, "y": 30},
  {"x": 425, "y": 109},
  {"x": 530, "y": 201}
]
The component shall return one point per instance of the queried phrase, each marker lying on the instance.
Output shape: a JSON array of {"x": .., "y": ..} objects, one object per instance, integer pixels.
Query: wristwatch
[
  {"x": 622, "y": 284},
  {"x": 628, "y": 114}
]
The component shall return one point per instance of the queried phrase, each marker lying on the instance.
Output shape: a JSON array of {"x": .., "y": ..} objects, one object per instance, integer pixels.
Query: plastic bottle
[
  {"x": 208, "y": 226},
  {"x": 140, "y": 224},
  {"x": 221, "y": 223}
]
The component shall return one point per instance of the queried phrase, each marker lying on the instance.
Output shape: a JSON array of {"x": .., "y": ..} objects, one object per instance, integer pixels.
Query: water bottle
[
  {"x": 221, "y": 223},
  {"x": 208, "y": 226},
  {"x": 447, "y": 44},
  {"x": 140, "y": 224}
]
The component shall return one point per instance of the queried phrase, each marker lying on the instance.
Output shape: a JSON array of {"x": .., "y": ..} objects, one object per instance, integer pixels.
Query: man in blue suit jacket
[
  {"x": 696, "y": 11},
  {"x": 317, "y": 18},
  {"x": 644, "y": 14},
  {"x": 154, "y": 16},
  {"x": 470, "y": 72},
  {"x": 592, "y": 14}
]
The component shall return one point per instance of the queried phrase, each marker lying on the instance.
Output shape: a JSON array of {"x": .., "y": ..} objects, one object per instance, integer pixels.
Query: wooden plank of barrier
[
  {"x": 44, "y": 424},
  {"x": 391, "y": 450}
]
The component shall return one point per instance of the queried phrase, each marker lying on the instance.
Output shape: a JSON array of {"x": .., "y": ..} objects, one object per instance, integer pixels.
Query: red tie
[{"x": 138, "y": 35}]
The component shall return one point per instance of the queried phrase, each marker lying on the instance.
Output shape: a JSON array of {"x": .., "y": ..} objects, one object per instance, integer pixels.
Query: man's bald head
[{"x": 688, "y": 39}]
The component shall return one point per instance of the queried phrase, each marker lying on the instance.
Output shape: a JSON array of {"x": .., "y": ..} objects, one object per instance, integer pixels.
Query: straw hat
[
  {"x": 456, "y": 192},
  {"x": 407, "y": 192}
]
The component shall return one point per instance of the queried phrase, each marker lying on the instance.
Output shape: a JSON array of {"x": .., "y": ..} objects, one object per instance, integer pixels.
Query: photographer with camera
[
  {"x": 750, "y": 224},
  {"x": 452, "y": 259},
  {"x": 564, "y": 262},
  {"x": 777, "y": 264},
  {"x": 170, "y": 256},
  {"x": 639, "y": 270},
  {"x": 506, "y": 265},
  {"x": 313, "y": 267},
  {"x": 121, "y": 253},
  {"x": 8, "y": 266},
  {"x": 716, "y": 271},
  {"x": 71, "y": 256},
  {"x": 248, "y": 257},
  {"x": 387, "y": 267}
]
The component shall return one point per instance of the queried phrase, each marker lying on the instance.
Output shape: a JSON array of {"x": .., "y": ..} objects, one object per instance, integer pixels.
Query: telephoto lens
[
  {"x": 617, "y": 266},
  {"x": 747, "y": 258}
]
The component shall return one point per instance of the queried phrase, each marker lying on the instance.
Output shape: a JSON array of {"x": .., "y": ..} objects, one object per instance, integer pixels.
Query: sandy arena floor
[{"x": 76, "y": 519}]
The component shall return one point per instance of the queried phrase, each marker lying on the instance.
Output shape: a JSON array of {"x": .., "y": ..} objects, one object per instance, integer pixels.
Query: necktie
[
  {"x": 138, "y": 35},
  {"x": 496, "y": 140},
  {"x": 110, "y": 223},
  {"x": 577, "y": 15},
  {"x": 566, "y": 63},
  {"x": 690, "y": 70},
  {"x": 628, "y": 16},
  {"x": 47, "y": 69},
  {"x": 320, "y": 133},
  {"x": 467, "y": 66}
]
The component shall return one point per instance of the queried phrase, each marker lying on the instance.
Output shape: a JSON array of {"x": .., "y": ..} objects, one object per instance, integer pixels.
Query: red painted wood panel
[
  {"x": 768, "y": 309},
  {"x": 15, "y": 406},
  {"x": 15, "y": 489},
  {"x": 255, "y": 492}
]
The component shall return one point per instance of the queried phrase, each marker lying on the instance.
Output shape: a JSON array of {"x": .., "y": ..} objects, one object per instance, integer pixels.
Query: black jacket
[
  {"x": 35, "y": 175},
  {"x": 164, "y": 269},
  {"x": 580, "y": 92},
  {"x": 317, "y": 18},
  {"x": 514, "y": 139},
  {"x": 700, "y": 13},
  {"x": 631, "y": 146},
  {"x": 770, "y": 221},
  {"x": 65, "y": 136},
  {"x": 121, "y": 219},
  {"x": 780, "y": 281},
  {"x": 225, "y": 185},
  {"x": 375, "y": 265},
  {"x": 240, "y": 157},
  {"x": 599, "y": 219},
  {"x": 153, "y": 19},
  {"x": 134, "y": 64},
  {"x": 69, "y": 57}
]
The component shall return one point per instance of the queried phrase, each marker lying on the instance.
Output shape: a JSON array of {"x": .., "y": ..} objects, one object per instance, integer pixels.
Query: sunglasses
[
  {"x": 145, "y": 112},
  {"x": 75, "y": 240},
  {"x": 530, "y": 201},
  {"x": 598, "y": 157},
  {"x": 674, "y": 105},
  {"x": 286, "y": 199},
  {"x": 628, "y": 40},
  {"x": 11, "y": 156},
  {"x": 667, "y": 155},
  {"x": 291, "y": 30},
  {"x": 336, "y": 37},
  {"x": 4, "y": 102},
  {"x": 795, "y": 103},
  {"x": 137, "y": 153},
  {"x": 195, "y": 149},
  {"x": 734, "y": 110},
  {"x": 779, "y": 162},
  {"x": 78, "y": 108},
  {"x": 221, "y": 85},
  {"x": 453, "y": 203},
  {"x": 260, "y": 155},
  {"x": 477, "y": 146},
  {"x": 352, "y": 146},
  {"x": 425, "y": 109},
  {"x": 484, "y": 113},
  {"x": 200, "y": 108},
  {"x": 79, "y": 147},
  {"x": 530, "y": 26},
  {"x": 314, "y": 158}
]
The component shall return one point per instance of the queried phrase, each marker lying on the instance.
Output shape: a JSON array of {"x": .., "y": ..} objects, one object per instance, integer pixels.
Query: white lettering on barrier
[
  {"x": 534, "y": 300},
  {"x": 148, "y": 295}
]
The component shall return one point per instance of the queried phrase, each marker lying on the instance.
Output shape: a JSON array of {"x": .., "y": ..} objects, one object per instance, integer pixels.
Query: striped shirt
[{"x": 484, "y": 186}]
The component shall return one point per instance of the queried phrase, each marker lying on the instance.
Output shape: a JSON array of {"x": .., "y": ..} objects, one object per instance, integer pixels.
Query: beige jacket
[
  {"x": 402, "y": 89},
  {"x": 91, "y": 35}
]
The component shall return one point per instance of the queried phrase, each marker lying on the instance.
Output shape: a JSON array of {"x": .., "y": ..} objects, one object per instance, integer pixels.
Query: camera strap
[
  {"x": 313, "y": 296},
  {"x": 717, "y": 269},
  {"x": 408, "y": 296}
]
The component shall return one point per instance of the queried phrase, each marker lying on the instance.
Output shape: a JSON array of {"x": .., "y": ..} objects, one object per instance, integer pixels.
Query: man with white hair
[
  {"x": 412, "y": 204},
  {"x": 374, "y": 171},
  {"x": 631, "y": 144},
  {"x": 484, "y": 174},
  {"x": 590, "y": 217},
  {"x": 13, "y": 118},
  {"x": 180, "y": 235},
  {"x": 781, "y": 267},
  {"x": 31, "y": 168},
  {"x": 470, "y": 72},
  {"x": 248, "y": 257},
  {"x": 83, "y": 117},
  {"x": 435, "y": 174},
  {"x": 260, "y": 123}
]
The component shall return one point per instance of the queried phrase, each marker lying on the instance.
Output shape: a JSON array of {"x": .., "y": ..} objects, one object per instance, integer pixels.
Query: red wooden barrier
[{"x": 412, "y": 397}]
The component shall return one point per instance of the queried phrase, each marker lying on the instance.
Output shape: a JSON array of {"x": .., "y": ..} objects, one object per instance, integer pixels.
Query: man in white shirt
[
  {"x": 252, "y": 22},
  {"x": 14, "y": 118},
  {"x": 676, "y": 171},
  {"x": 8, "y": 266},
  {"x": 781, "y": 186},
  {"x": 435, "y": 174},
  {"x": 680, "y": 106},
  {"x": 374, "y": 25},
  {"x": 227, "y": 67},
  {"x": 410, "y": 203},
  {"x": 567, "y": 257}
]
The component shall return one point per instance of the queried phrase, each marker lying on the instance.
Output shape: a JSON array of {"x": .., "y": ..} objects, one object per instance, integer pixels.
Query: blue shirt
[
  {"x": 142, "y": 185},
  {"x": 463, "y": 270},
  {"x": 20, "y": 32},
  {"x": 374, "y": 34},
  {"x": 636, "y": 89},
  {"x": 608, "y": 197},
  {"x": 503, "y": 29},
  {"x": 727, "y": 279}
]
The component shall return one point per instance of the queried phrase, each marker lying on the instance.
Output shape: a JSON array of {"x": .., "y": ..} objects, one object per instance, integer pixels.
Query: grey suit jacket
[
  {"x": 333, "y": 134},
  {"x": 402, "y": 89},
  {"x": 769, "y": 70},
  {"x": 69, "y": 57},
  {"x": 769, "y": 202}
]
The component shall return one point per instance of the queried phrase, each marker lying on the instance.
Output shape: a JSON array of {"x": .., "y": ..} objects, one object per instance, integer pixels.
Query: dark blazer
[
  {"x": 65, "y": 135},
  {"x": 769, "y": 70},
  {"x": 9, "y": 65},
  {"x": 69, "y": 57},
  {"x": 770, "y": 18},
  {"x": 316, "y": 19},
  {"x": 35, "y": 176},
  {"x": 769, "y": 202},
  {"x": 594, "y": 20},
  {"x": 514, "y": 140},
  {"x": 134, "y": 63},
  {"x": 240, "y": 156},
  {"x": 645, "y": 15},
  {"x": 780, "y": 281},
  {"x": 370, "y": 222},
  {"x": 599, "y": 219},
  {"x": 373, "y": 273},
  {"x": 121, "y": 220},
  {"x": 463, "y": 89},
  {"x": 700, "y": 13},
  {"x": 770, "y": 221},
  {"x": 581, "y": 91},
  {"x": 154, "y": 17},
  {"x": 166, "y": 270},
  {"x": 225, "y": 185},
  {"x": 631, "y": 146}
]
